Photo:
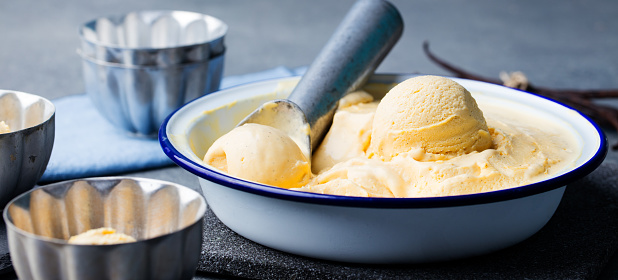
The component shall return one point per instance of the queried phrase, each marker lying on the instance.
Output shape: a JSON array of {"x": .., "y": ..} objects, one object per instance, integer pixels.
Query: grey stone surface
[{"x": 566, "y": 44}]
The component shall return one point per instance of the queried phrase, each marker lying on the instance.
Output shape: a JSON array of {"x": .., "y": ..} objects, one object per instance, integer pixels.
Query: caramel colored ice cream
[
  {"x": 430, "y": 113},
  {"x": 261, "y": 154},
  {"x": 427, "y": 137},
  {"x": 4, "y": 128},
  {"x": 101, "y": 236}
]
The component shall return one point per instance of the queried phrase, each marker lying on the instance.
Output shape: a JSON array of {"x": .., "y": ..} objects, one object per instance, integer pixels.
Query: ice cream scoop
[
  {"x": 430, "y": 114},
  {"x": 364, "y": 37}
]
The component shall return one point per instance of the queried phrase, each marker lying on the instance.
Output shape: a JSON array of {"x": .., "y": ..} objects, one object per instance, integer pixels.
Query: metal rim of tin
[
  {"x": 70, "y": 183},
  {"x": 130, "y": 66},
  {"x": 202, "y": 49}
]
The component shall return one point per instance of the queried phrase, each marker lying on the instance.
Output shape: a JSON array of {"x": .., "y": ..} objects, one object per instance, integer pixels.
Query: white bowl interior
[{"x": 193, "y": 128}]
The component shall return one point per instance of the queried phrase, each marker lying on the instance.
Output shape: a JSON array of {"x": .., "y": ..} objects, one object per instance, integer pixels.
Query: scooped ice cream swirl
[{"x": 430, "y": 113}]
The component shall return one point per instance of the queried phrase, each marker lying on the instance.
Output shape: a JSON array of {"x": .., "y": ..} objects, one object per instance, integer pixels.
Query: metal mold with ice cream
[
  {"x": 141, "y": 66},
  {"x": 26, "y": 148},
  {"x": 165, "y": 218},
  {"x": 373, "y": 229}
]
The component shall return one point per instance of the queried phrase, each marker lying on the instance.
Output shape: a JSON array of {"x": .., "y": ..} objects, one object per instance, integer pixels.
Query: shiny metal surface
[
  {"x": 153, "y": 38},
  {"x": 25, "y": 151},
  {"x": 165, "y": 218},
  {"x": 137, "y": 99},
  {"x": 140, "y": 67}
]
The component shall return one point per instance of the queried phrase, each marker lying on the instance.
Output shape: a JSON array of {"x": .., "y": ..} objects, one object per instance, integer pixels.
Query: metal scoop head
[{"x": 286, "y": 116}]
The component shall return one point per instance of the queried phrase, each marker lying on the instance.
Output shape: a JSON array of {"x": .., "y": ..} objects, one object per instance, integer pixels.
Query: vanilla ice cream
[
  {"x": 4, "y": 128},
  {"x": 430, "y": 113},
  {"x": 101, "y": 236},
  {"x": 349, "y": 134},
  {"x": 261, "y": 154},
  {"x": 427, "y": 137}
]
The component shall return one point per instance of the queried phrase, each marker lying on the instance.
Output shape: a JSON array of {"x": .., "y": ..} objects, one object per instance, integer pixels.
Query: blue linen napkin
[{"x": 87, "y": 145}]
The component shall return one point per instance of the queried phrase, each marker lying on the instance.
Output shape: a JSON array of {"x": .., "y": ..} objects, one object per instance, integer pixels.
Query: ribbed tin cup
[
  {"x": 153, "y": 38},
  {"x": 141, "y": 66},
  {"x": 25, "y": 151},
  {"x": 165, "y": 218},
  {"x": 137, "y": 99}
]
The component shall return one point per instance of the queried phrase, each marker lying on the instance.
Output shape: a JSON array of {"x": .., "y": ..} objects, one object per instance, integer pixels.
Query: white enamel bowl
[{"x": 372, "y": 230}]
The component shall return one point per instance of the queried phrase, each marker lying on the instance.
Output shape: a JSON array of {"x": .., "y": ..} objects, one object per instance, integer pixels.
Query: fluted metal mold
[
  {"x": 138, "y": 99},
  {"x": 25, "y": 151},
  {"x": 165, "y": 218},
  {"x": 153, "y": 38},
  {"x": 141, "y": 66}
]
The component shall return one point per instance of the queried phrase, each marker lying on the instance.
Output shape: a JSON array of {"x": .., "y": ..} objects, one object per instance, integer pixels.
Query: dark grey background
[
  {"x": 562, "y": 44},
  {"x": 556, "y": 43}
]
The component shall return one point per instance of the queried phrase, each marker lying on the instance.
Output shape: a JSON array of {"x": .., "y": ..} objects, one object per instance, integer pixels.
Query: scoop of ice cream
[
  {"x": 101, "y": 236},
  {"x": 4, "y": 128},
  {"x": 261, "y": 154},
  {"x": 430, "y": 113}
]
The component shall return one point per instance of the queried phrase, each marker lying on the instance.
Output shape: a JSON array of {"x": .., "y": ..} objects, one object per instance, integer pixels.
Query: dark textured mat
[{"x": 576, "y": 244}]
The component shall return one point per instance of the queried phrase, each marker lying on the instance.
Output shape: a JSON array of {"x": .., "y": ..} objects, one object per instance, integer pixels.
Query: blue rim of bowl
[{"x": 226, "y": 180}]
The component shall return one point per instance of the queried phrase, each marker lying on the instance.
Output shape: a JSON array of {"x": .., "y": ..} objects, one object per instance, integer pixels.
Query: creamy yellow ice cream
[
  {"x": 262, "y": 154},
  {"x": 101, "y": 236},
  {"x": 4, "y": 128},
  {"x": 427, "y": 137},
  {"x": 349, "y": 134},
  {"x": 430, "y": 113},
  {"x": 522, "y": 155}
]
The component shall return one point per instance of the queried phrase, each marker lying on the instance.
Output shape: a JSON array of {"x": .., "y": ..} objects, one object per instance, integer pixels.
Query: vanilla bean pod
[{"x": 579, "y": 99}]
